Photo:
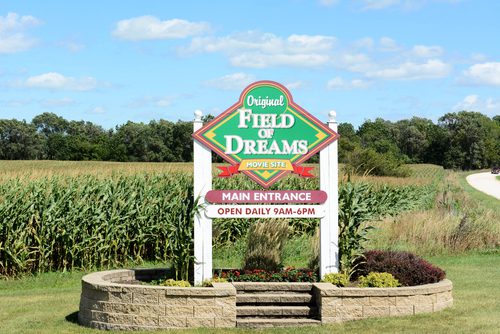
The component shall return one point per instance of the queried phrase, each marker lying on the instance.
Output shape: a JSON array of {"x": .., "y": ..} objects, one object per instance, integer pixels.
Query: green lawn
[{"x": 47, "y": 304}]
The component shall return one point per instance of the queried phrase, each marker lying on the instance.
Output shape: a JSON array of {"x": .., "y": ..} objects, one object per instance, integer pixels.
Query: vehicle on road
[{"x": 495, "y": 170}]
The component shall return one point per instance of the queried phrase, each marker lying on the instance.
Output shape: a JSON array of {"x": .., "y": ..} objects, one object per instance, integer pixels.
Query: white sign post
[
  {"x": 202, "y": 163},
  {"x": 329, "y": 226},
  {"x": 284, "y": 134}
]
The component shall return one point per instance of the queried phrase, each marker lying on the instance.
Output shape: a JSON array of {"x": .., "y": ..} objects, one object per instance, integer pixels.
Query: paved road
[{"x": 485, "y": 182}]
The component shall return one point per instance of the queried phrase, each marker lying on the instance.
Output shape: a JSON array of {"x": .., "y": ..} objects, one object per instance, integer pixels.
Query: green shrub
[
  {"x": 208, "y": 282},
  {"x": 179, "y": 284},
  {"x": 378, "y": 280},
  {"x": 265, "y": 243},
  {"x": 338, "y": 279},
  {"x": 368, "y": 161},
  {"x": 408, "y": 268}
]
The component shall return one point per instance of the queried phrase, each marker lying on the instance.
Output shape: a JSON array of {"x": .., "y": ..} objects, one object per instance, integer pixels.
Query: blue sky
[{"x": 113, "y": 61}]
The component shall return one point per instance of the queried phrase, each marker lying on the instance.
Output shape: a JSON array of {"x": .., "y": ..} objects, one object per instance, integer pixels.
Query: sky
[{"x": 113, "y": 61}]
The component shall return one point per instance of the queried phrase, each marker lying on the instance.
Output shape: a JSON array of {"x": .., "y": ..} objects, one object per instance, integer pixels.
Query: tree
[
  {"x": 134, "y": 137},
  {"x": 348, "y": 140},
  {"x": 473, "y": 140},
  {"x": 19, "y": 140},
  {"x": 380, "y": 135},
  {"x": 49, "y": 123}
]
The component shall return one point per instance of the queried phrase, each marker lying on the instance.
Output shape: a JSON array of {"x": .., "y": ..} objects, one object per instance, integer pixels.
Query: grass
[
  {"x": 47, "y": 303},
  {"x": 296, "y": 253},
  {"x": 461, "y": 220},
  {"x": 422, "y": 174},
  {"x": 39, "y": 168},
  {"x": 486, "y": 200}
]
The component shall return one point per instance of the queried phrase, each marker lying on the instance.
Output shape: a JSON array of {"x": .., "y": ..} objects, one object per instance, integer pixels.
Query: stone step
[
  {"x": 273, "y": 322},
  {"x": 244, "y": 287},
  {"x": 267, "y": 298},
  {"x": 275, "y": 311}
]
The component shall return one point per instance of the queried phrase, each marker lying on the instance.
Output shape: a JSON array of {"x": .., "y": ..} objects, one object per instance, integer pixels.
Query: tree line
[{"x": 460, "y": 140}]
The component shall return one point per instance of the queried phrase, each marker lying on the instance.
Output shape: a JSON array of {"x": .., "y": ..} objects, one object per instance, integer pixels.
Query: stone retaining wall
[
  {"x": 108, "y": 304},
  {"x": 111, "y": 300},
  {"x": 343, "y": 304}
]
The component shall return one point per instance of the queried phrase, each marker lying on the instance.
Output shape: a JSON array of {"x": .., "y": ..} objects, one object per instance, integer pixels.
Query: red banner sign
[{"x": 270, "y": 196}]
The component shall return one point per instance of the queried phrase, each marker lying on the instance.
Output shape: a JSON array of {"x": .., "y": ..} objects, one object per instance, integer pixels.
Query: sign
[
  {"x": 265, "y": 135},
  {"x": 269, "y": 196},
  {"x": 265, "y": 211}
]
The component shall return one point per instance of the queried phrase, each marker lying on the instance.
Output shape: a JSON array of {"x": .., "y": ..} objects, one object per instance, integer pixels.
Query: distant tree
[
  {"x": 19, "y": 140},
  {"x": 348, "y": 140},
  {"x": 160, "y": 145},
  {"x": 182, "y": 142},
  {"x": 87, "y": 141},
  {"x": 53, "y": 129},
  {"x": 380, "y": 135},
  {"x": 50, "y": 123},
  {"x": 474, "y": 140},
  {"x": 135, "y": 140}
]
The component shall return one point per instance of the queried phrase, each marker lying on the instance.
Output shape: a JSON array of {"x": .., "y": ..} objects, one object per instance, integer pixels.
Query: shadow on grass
[{"x": 73, "y": 318}]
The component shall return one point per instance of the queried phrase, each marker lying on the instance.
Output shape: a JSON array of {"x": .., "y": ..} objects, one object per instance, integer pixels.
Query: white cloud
[
  {"x": 354, "y": 62},
  {"x": 150, "y": 27},
  {"x": 256, "y": 60},
  {"x": 424, "y": 51},
  {"x": 432, "y": 69},
  {"x": 389, "y": 45},
  {"x": 339, "y": 83},
  {"x": 328, "y": 3},
  {"x": 12, "y": 37},
  {"x": 14, "y": 22},
  {"x": 253, "y": 49},
  {"x": 62, "y": 102},
  {"x": 262, "y": 42},
  {"x": 16, "y": 103},
  {"x": 473, "y": 102},
  {"x": 151, "y": 101},
  {"x": 482, "y": 74},
  {"x": 163, "y": 102},
  {"x": 236, "y": 81},
  {"x": 98, "y": 110},
  {"x": 57, "y": 81},
  {"x": 260, "y": 50},
  {"x": 365, "y": 43},
  {"x": 401, "y": 4},
  {"x": 71, "y": 46},
  {"x": 378, "y": 4},
  {"x": 295, "y": 85}
]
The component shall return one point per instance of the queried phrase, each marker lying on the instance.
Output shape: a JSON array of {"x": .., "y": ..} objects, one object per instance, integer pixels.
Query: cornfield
[{"x": 63, "y": 222}]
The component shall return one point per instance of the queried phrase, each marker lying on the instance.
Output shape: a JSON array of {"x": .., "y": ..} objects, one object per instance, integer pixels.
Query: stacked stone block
[
  {"x": 106, "y": 304},
  {"x": 344, "y": 304}
]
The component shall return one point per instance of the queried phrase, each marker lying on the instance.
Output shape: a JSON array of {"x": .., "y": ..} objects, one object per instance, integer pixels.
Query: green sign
[{"x": 265, "y": 135}]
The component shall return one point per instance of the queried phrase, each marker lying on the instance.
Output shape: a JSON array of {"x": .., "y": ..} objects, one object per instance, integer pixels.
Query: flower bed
[{"x": 289, "y": 274}]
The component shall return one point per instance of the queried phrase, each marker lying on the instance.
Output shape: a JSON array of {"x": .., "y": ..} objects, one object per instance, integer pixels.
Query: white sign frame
[{"x": 329, "y": 229}]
